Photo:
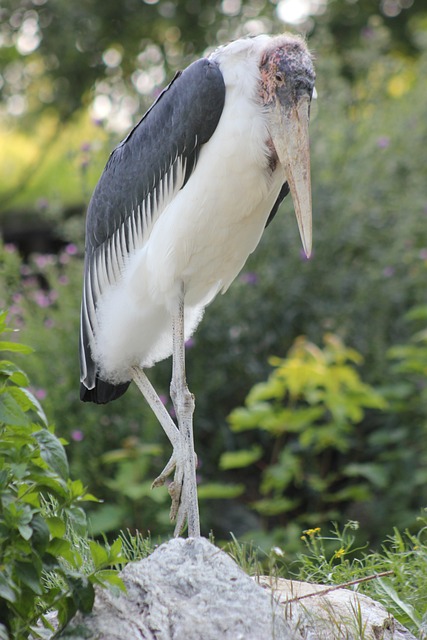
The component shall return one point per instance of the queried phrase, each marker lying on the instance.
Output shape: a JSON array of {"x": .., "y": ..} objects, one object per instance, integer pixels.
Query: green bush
[
  {"x": 399, "y": 442},
  {"x": 326, "y": 446},
  {"x": 47, "y": 560},
  {"x": 307, "y": 415}
]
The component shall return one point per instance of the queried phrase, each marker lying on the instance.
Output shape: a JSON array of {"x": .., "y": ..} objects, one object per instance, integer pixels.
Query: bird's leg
[
  {"x": 169, "y": 427},
  {"x": 184, "y": 486},
  {"x": 157, "y": 406}
]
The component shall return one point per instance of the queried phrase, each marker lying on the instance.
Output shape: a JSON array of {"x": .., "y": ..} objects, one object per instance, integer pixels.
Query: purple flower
[
  {"x": 189, "y": 344},
  {"x": 71, "y": 249},
  {"x": 368, "y": 33},
  {"x": 85, "y": 147},
  {"x": 9, "y": 247},
  {"x": 77, "y": 435},
  {"x": 49, "y": 323},
  {"x": 43, "y": 260},
  {"x": 63, "y": 280},
  {"x": 42, "y": 299},
  {"x": 383, "y": 142},
  {"x": 40, "y": 394},
  {"x": 42, "y": 204},
  {"x": 249, "y": 277},
  {"x": 388, "y": 272},
  {"x": 423, "y": 254}
]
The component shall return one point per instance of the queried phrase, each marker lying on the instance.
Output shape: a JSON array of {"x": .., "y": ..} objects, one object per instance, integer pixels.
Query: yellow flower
[
  {"x": 339, "y": 553},
  {"x": 312, "y": 532}
]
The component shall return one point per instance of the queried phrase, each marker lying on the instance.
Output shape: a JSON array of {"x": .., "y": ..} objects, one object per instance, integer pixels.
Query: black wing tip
[
  {"x": 102, "y": 392},
  {"x": 283, "y": 193}
]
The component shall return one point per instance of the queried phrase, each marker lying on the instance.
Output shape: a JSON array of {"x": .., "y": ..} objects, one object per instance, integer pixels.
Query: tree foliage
[{"x": 56, "y": 53}]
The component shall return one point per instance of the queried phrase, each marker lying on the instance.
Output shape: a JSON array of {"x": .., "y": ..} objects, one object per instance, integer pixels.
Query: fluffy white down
[{"x": 203, "y": 237}]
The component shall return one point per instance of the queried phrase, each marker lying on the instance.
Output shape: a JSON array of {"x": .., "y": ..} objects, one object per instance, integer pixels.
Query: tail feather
[{"x": 102, "y": 392}]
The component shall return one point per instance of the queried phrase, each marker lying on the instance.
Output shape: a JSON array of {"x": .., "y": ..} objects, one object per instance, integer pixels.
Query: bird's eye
[{"x": 280, "y": 77}]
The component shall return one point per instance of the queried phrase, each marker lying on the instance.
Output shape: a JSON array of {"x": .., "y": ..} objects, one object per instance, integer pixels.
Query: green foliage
[
  {"x": 135, "y": 546},
  {"x": 106, "y": 44},
  {"x": 130, "y": 484},
  {"x": 410, "y": 363},
  {"x": 47, "y": 560},
  {"x": 308, "y": 413},
  {"x": 337, "y": 559},
  {"x": 399, "y": 442}
]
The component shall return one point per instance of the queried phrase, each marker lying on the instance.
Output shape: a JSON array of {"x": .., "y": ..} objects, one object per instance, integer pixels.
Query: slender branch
[{"x": 323, "y": 592}]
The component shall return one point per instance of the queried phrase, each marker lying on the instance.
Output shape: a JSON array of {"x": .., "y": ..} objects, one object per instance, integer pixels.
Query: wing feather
[
  {"x": 283, "y": 193},
  {"x": 142, "y": 176}
]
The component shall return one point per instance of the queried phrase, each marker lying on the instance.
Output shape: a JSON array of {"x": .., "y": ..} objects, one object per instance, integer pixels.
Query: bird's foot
[
  {"x": 169, "y": 468},
  {"x": 180, "y": 490},
  {"x": 175, "y": 487},
  {"x": 182, "y": 507}
]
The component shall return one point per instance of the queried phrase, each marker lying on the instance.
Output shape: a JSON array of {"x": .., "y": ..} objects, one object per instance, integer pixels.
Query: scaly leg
[
  {"x": 183, "y": 489},
  {"x": 183, "y": 402},
  {"x": 169, "y": 427}
]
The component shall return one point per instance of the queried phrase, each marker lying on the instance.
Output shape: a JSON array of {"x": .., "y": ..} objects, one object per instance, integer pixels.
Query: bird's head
[{"x": 286, "y": 88}]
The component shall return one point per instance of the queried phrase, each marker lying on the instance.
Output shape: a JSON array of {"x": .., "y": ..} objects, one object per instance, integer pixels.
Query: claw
[
  {"x": 175, "y": 493},
  {"x": 169, "y": 468}
]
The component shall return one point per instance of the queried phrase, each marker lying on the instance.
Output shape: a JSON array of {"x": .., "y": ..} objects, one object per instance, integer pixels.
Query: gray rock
[
  {"x": 191, "y": 590},
  {"x": 319, "y": 612},
  {"x": 186, "y": 589}
]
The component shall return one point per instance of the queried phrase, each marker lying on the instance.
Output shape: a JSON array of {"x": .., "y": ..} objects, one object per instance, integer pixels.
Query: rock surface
[
  {"x": 191, "y": 590},
  {"x": 318, "y": 614}
]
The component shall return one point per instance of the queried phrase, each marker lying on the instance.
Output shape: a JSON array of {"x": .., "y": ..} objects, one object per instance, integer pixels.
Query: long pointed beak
[{"x": 289, "y": 132}]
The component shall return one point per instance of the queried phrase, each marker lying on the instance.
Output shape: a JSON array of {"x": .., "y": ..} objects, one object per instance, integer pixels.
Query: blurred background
[{"x": 309, "y": 375}]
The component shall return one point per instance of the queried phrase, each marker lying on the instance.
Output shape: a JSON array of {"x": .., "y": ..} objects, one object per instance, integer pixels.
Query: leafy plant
[
  {"x": 410, "y": 366},
  {"x": 337, "y": 558},
  {"x": 46, "y": 558},
  {"x": 394, "y": 575},
  {"x": 307, "y": 416}
]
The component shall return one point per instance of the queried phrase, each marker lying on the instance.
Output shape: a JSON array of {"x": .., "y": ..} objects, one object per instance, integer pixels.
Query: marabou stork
[{"x": 181, "y": 204}]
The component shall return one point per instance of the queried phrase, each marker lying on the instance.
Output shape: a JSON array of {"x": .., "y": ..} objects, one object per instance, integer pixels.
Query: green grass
[{"x": 335, "y": 558}]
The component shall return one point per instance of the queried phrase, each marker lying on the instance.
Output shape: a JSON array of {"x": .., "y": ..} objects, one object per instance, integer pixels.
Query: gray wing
[{"x": 142, "y": 176}]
